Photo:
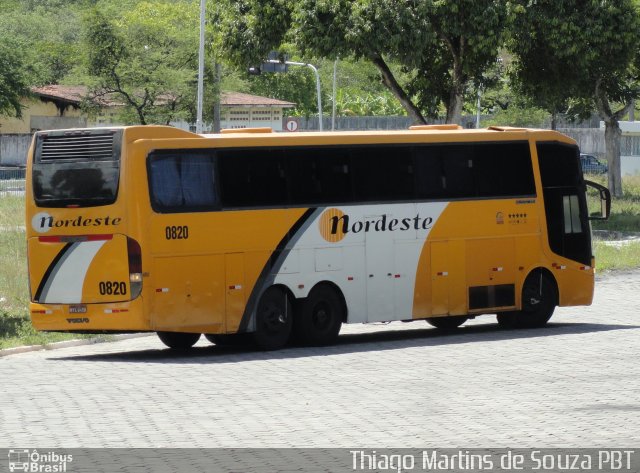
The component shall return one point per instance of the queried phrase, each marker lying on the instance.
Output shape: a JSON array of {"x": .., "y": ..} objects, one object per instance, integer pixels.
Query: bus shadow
[{"x": 392, "y": 339}]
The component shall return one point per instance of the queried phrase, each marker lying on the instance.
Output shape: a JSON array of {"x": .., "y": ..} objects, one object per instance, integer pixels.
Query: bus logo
[
  {"x": 42, "y": 222},
  {"x": 335, "y": 224},
  {"x": 329, "y": 228}
]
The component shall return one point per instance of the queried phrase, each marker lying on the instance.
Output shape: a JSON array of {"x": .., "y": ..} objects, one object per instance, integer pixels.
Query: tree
[
  {"x": 49, "y": 35},
  {"x": 13, "y": 80},
  {"x": 442, "y": 45},
  {"x": 585, "y": 51},
  {"x": 146, "y": 58}
]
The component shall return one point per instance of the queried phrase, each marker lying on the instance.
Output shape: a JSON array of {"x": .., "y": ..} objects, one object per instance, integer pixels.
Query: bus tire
[
  {"x": 227, "y": 339},
  {"x": 539, "y": 300},
  {"x": 274, "y": 319},
  {"x": 178, "y": 340},
  {"x": 320, "y": 317},
  {"x": 447, "y": 323}
]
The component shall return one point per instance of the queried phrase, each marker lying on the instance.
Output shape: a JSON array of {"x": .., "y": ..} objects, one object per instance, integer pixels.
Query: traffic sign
[{"x": 291, "y": 124}]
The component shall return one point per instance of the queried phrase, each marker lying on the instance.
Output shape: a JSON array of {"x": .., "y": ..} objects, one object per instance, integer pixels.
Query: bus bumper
[{"x": 111, "y": 317}]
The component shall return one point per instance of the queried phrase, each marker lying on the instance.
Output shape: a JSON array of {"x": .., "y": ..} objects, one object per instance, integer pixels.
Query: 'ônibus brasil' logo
[
  {"x": 43, "y": 222},
  {"x": 334, "y": 224}
]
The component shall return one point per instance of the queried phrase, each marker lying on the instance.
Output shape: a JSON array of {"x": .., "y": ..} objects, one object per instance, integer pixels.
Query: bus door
[
  {"x": 564, "y": 201},
  {"x": 379, "y": 269}
]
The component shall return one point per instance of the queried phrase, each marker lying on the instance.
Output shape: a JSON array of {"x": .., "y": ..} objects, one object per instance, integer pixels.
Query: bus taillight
[{"x": 135, "y": 267}]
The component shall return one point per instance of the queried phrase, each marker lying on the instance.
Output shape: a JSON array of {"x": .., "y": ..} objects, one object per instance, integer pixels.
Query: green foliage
[
  {"x": 585, "y": 51},
  {"x": 47, "y": 35},
  {"x": 442, "y": 46},
  {"x": 565, "y": 47},
  {"x": 519, "y": 116},
  {"x": 147, "y": 58},
  {"x": 13, "y": 80},
  {"x": 298, "y": 86},
  {"x": 372, "y": 104}
]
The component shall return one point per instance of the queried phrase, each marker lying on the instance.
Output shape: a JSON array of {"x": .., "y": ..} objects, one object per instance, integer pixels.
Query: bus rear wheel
[
  {"x": 179, "y": 340},
  {"x": 447, "y": 323},
  {"x": 320, "y": 317},
  {"x": 539, "y": 300},
  {"x": 274, "y": 319}
]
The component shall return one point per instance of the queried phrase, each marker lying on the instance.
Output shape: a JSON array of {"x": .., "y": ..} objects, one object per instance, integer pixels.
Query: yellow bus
[{"x": 284, "y": 237}]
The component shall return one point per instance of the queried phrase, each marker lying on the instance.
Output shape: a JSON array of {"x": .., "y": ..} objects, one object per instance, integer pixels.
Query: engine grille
[{"x": 97, "y": 146}]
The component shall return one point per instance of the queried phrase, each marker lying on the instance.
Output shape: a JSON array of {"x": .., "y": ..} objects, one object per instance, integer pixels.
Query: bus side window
[
  {"x": 320, "y": 176},
  {"x": 165, "y": 181},
  {"x": 458, "y": 171},
  {"x": 197, "y": 180},
  {"x": 429, "y": 179},
  {"x": 382, "y": 173},
  {"x": 571, "y": 210},
  {"x": 252, "y": 178}
]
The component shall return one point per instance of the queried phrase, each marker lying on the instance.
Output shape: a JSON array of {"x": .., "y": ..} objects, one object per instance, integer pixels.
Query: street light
[{"x": 315, "y": 71}]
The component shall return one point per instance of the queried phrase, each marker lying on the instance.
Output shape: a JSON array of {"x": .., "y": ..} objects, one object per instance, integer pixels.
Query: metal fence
[{"x": 12, "y": 181}]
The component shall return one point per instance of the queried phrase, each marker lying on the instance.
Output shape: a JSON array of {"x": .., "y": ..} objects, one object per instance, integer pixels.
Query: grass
[
  {"x": 614, "y": 257},
  {"x": 625, "y": 211},
  {"x": 15, "y": 325}
]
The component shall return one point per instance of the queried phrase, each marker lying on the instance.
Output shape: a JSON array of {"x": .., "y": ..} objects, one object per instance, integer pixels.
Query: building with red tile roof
[{"x": 59, "y": 106}]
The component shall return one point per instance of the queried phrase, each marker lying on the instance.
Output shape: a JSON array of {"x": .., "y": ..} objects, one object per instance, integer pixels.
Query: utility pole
[
  {"x": 333, "y": 100},
  {"x": 200, "y": 69},
  {"x": 216, "y": 106}
]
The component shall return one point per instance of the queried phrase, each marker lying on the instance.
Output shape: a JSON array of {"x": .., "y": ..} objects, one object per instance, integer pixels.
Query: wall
[
  {"x": 591, "y": 140},
  {"x": 38, "y": 115},
  {"x": 13, "y": 149}
]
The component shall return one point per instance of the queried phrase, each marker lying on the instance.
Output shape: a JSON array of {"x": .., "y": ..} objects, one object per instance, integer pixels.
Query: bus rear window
[{"x": 79, "y": 169}]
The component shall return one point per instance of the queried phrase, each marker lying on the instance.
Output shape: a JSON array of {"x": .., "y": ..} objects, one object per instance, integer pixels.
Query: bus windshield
[{"x": 76, "y": 170}]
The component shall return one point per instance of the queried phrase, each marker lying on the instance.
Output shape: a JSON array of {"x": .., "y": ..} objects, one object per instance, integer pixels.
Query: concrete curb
[{"x": 70, "y": 343}]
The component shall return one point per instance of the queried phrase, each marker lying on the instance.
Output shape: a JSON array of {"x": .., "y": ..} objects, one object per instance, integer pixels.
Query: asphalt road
[{"x": 574, "y": 383}]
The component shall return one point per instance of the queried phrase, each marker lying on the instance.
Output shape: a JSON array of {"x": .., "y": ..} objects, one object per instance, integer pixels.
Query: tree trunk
[
  {"x": 457, "y": 49},
  {"x": 554, "y": 120},
  {"x": 454, "y": 107},
  {"x": 456, "y": 94},
  {"x": 396, "y": 89},
  {"x": 612, "y": 135}
]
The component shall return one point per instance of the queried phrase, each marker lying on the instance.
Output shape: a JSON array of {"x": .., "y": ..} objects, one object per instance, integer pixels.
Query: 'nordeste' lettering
[
  {"x": 47, "y": 221},
  {"x": 343, "y": 225}
]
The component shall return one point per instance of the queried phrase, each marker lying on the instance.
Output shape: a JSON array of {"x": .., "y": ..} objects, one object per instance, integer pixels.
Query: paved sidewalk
[{"x": 574, "y": 383}]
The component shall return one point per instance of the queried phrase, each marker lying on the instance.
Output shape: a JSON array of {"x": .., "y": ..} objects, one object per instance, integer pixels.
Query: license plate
[{"x": 78, "y": 309}]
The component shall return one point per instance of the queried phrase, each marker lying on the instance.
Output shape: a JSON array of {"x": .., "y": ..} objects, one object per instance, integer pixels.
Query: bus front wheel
[
  {"x": 274, "y": 319},
  {"x": 179, "y": 340},
  {"x": 320, "y": 317},
  {"x": 447, "y": 323},
  {"x": 539, "y": 300}
]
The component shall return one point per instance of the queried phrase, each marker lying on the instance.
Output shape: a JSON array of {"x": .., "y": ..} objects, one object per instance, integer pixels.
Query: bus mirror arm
[{"x": 605, "y": 200}]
